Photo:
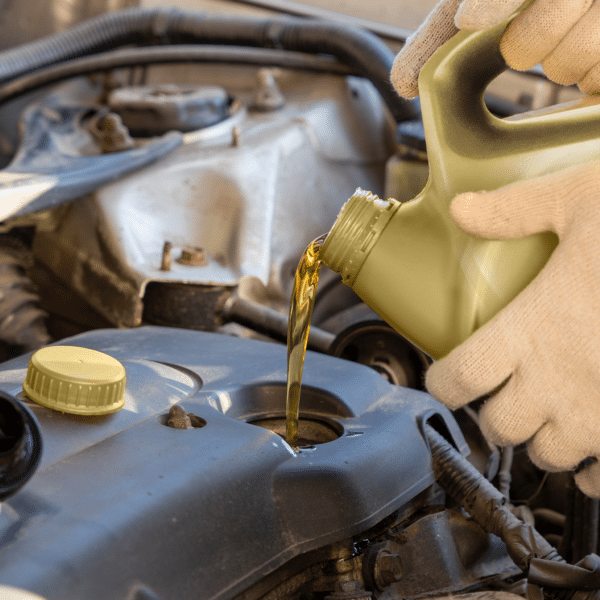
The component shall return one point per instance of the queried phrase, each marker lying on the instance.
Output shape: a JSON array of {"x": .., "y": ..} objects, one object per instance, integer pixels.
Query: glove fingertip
[
  {"x": 405, "y": 82},
  {"x": 466, "y": 212},
  {"x": 438, "y": 383},
  {"x": 513, "y": 53},
  {"x": 474, "y": 15},
  {"x": 407, "y": 89},
  {"x": 588, "y": 479},
  {"x": 461, "y": 205}
]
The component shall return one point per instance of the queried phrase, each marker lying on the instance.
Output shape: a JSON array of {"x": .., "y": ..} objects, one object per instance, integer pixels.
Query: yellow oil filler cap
[{"x": 75, "y": 380}]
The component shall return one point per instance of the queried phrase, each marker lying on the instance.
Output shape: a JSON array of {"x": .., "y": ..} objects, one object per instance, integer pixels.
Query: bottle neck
[{"x": 355, "y": 232}]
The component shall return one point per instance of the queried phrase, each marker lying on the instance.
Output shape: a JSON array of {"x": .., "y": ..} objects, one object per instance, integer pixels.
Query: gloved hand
[
  {"x": 545, "y": 343},
  {"x": 561, "y": 34}
]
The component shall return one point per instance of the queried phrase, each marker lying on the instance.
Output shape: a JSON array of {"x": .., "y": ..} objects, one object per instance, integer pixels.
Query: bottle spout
[{"x": 358, "y": 227}]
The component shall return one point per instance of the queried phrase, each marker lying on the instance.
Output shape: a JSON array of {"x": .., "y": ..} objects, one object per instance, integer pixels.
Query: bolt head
[
  {"x": 388, "y": 569},
  {"x": 193, "y": 257}
]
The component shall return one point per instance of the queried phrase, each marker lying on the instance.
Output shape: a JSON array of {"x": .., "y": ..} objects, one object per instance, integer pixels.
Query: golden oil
[{"x": 301, "y": 307}]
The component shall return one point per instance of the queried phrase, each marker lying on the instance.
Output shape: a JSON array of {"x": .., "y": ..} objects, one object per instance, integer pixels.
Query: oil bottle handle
[
  {"x": 453, "y": 82},
  {"x": 466, "y": 65},
  {"x": 460, "y": 130}
]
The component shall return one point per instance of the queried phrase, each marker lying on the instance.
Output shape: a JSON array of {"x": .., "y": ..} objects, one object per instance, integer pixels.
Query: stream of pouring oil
[{"x": 301, "y": 307}]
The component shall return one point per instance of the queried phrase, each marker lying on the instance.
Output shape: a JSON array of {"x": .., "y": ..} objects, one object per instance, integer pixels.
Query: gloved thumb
[{"x": 527, "y": 207}]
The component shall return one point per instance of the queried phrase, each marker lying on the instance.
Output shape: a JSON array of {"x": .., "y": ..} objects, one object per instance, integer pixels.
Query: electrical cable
[{"x": 489, "y": 509}]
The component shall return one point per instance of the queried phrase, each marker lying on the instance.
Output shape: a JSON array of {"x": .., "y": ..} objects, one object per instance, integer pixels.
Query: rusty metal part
[
  {"x": 109, "y": 293},
  {"x": 110, "y": 133},
  {"x": 441, "y": 552},
  {"x": 291, "y": 586},
  {"x": 178, "y": 418},
  {"x": 55, "y": 140},
  {"x": 313, "y": 573},
  {"x": 530, "y": 551},
  {"x": 193, "y": 257},
  {"x": 267, "y": 96},
  {"x": 235, "y": 137},
  {"x": 156, "y": 109},
  {"x": 182, "y": 305},
  {"x": 388, "y": 569},
  {"x": 349, "y": 590},
  {"x": 165, "y": 263}
]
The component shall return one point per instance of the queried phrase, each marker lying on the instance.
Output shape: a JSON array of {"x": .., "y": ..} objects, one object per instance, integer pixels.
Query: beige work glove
[
  {"x": 546, "y": 342},
  {"x": 564, "y": 35}
]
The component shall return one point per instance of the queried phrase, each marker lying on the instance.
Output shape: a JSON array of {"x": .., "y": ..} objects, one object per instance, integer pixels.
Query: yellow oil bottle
[{"x": 409, "y": 261}]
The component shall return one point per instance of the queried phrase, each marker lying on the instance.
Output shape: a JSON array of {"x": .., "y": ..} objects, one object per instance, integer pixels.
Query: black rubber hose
[
  {"x": 135, "y": 57},
  {"x": 487, "y": 506},
  {"x": 358, "y": 49},
  {"x": 20, "y": 444}
]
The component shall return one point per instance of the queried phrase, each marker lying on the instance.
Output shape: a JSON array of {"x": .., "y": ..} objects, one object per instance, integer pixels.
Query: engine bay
[{"x": 162, "y": 172}]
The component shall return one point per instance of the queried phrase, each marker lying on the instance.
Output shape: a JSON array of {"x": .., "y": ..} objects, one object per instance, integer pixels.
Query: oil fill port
[
  {"x": 264, "y": 405},
  {"x": 311, "y": 431}
]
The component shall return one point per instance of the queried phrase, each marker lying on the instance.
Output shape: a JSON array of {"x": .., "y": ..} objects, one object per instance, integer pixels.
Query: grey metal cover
[{"x": 124, "y": 500}]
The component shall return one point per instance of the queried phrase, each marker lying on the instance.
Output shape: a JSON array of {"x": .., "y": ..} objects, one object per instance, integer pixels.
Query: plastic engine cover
[{"x": 123, "y": 500}]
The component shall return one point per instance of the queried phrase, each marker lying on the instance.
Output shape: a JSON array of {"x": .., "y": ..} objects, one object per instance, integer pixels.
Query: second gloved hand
[
  {"x": 561, "y": 34},
  {"x": 545, "y": 344}
]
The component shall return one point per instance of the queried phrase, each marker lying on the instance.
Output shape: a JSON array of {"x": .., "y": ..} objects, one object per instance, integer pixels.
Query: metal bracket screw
[{"x": 388, "y": 569}]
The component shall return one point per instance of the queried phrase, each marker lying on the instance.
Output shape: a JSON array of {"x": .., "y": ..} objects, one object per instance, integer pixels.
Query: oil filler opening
[
  {"x": 263, "y": 404},
  {"x": 312, "y": 431}
]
